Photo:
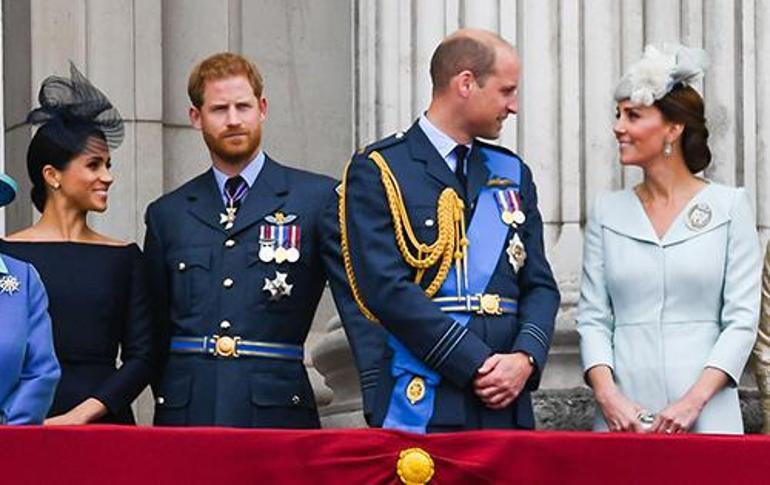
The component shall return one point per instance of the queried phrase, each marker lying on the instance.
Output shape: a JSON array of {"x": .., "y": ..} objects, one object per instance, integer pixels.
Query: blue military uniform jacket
[
  {"x": 209, "y": 280},
  {"x": 388, "y": 288},
  {"x": 29, "y": 370}
]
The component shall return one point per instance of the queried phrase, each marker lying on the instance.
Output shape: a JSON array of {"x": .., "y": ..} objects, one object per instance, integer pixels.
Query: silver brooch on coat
[
  {"x": 698, "y": 216},
  {"x": 9, "y": 284}
]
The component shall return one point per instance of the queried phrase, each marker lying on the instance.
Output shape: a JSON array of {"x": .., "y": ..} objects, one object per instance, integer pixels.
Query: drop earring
[{"x": 667, "y": 149}]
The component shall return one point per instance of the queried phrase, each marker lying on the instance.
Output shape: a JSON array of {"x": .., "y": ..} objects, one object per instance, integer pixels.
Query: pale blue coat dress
[
  {"x": 658, "y": 311},
  {"x": 29, "y": 370}
]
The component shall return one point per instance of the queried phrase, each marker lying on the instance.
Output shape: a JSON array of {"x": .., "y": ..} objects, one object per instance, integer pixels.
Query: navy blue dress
[{"x": 98, "y": 304}]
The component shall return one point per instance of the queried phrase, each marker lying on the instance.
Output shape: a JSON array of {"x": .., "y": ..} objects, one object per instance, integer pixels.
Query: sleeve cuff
[{"x": 458, "y": 354}]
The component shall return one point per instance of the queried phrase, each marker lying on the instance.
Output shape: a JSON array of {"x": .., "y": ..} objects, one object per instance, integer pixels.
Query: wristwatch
[{"x": 531, "y": 360}]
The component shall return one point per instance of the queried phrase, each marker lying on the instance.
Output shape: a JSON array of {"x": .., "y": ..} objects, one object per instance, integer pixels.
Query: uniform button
[
  {"x": 429, "y": 222},
  {"x": 224, "y": 324},
  {"x": 228, "y": 283},
  {"x": 160, "y": 400},
  {"x": 182, "y": 266},
  {"x": 230, "y": 243},
  {"x": 295, "y": 399}
]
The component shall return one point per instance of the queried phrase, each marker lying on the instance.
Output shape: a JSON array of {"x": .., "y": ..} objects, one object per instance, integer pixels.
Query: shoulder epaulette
[
  {"x": 393, "y": 139},
  {"x": 502, "y": 149}
]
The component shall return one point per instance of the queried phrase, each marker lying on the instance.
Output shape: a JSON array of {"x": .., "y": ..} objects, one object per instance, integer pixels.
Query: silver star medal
[
  {"x": 278, "y": 287},
  {"x": 517, "y": 255},
  {"x": 228, "y": 219},
  {"x": 698, "y": 216},
  {"x": 9, "y": 284}
]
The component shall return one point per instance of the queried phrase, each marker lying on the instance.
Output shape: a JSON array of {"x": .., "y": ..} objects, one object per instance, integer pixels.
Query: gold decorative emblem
[
  {"x": 489, "y": 304},
  {"x": 9, "y": 284},
  {"x": 415, "y": 466},
  {"x": 698, "y": 216},
  {"x": 279, "y": 218},
  {"x": 500, "y": 182},
  {"x": 225, "y": 346},
  {"x": 415, "y": 390},
  {"x": 517, "y": 255}
]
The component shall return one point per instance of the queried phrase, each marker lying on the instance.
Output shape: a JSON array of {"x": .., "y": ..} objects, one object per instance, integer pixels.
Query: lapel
[
  {"x": 714, "y": 200},
  {"x": 422, "y": 149},
  {"x": 478, "y": 173},
  {"x": 266, "y": 196},
  {"x": 206, "y": 203},
  {"x": 624, "y": 214}
]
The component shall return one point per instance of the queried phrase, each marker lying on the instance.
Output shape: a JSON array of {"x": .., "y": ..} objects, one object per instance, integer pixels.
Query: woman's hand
[
  {"x": 621, "y": 413},
  {"x": 679, "y": 416},
  {"x": 89, "y": 410}
]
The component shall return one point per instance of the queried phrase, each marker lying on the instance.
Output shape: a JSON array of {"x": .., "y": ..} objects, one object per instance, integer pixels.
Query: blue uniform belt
[
  {"x": 232, "y": 346},
  {"x": 482, "y": 304}
]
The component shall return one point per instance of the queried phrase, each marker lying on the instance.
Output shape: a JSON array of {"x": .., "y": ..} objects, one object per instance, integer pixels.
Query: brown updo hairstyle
[{"x": 684, "y": 105}]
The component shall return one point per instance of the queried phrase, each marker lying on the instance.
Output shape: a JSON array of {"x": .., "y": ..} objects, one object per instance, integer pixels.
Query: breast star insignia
[
  {"x": 9, "y": 285},
  {"x": 278, "y": 287}
]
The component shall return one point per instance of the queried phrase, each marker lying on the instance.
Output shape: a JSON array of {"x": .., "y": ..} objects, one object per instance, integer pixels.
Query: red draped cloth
[{"x": 137, "y": 455}]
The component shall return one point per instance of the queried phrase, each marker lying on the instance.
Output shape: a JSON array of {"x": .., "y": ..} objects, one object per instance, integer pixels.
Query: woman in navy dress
[
  {"x": 28, "y": 366},
  {"x": 96, "y": 285}
]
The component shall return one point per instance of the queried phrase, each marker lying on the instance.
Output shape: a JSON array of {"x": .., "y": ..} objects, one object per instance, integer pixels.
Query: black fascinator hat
[
  {"x": 71, "y": 112},
  {"x": 71, "y": 109}
]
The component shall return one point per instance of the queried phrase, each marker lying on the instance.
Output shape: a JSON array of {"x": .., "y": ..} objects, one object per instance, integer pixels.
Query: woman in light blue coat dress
[
  {"x": 29, "y": 370},
  {"x": 671, "y": 272}
]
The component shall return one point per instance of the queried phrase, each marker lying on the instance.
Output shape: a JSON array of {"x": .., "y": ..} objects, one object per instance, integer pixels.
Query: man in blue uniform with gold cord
[{"x": 443, "y": 246}]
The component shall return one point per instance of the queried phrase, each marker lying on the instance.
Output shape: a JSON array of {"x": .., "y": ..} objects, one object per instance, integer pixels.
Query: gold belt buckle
[
  {"x": 489, "y": 304},
  {"x": 226, "y": 346}
]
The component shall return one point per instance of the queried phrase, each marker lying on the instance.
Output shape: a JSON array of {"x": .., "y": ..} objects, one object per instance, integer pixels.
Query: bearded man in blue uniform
[
  {"x": 443, "y": 246},
  {"x": 237, "y": 268}
]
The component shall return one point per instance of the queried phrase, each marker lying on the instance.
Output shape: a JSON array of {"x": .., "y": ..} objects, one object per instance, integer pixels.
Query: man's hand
[{"x": 501, "y": 378}]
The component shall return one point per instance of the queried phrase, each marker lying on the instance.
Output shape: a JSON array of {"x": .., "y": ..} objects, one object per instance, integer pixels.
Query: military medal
[
  {"x": 415, "y": 390},
  {"x": 517, "y": 255},
  {"x": 510, "y": 207},
  {"x": 292, "y": 253},
  {"x": 228, "y": 219},
  {"x": 698, "y": 216},
  {"x": 266, "y": 243},
  {"x": 278, "y": 287},
  {"x": 9, "y": 284},
  {"x": 280, "y": 240},
  {"x": 280, "y": 254}
]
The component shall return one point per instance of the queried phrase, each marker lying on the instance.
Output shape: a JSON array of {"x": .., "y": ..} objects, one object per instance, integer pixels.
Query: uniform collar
[
  {"x": 443, "y": 143},
  {"x": 249, "y": 173},
  {"x": 3, "y": 267}
]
